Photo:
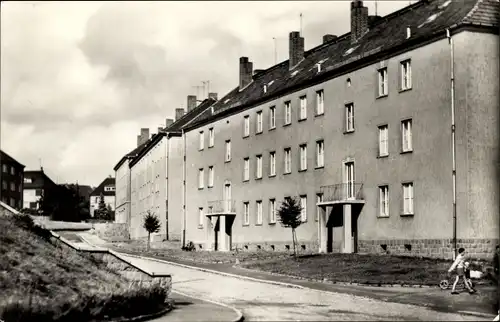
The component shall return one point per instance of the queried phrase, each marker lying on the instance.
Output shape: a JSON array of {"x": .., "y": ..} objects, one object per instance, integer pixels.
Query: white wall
[
  {"x": 148, "y": 190},
  {"x": 122, "y": 195},
  {"x": 29, "y": 195},
  {"x": 94, "y": 203}
]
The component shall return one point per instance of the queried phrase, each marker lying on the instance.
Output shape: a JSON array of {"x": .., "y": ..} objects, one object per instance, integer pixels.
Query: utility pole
[{"x": 275, "y": 51}]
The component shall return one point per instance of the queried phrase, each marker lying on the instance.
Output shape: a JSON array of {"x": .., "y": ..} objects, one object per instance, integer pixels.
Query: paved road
[{"x": 264, "y": 302}]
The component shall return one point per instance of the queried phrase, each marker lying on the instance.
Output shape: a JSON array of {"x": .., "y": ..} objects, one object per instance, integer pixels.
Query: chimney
[
  {"x": 169, "y": 122},
  {"x": 296, "y": 49},
  {"x": 246, "y": 69},
  {"x": 212, "y": 96},
  {"x": 160, "y": 130},
  {"x": 179, "y": 112},
  {"x": 139, "y": 140},
  {"x": 145, "y": 133},
  {"x": 359, "y": 20},
  {"x": 328, "y": 37},
  {"x": 191, "y": 102}
]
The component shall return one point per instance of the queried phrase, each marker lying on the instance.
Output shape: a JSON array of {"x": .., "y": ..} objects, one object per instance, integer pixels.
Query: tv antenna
[
  {"x": 301, "y": 24},
  {"x": 275, "y": 51},
  {"x": 207, "y": 84},
  {"x": 197, "y": 89}
]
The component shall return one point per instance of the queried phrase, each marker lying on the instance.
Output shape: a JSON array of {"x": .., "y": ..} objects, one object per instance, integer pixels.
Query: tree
[
  {"x": 151, "y": 224},
  {"x": 289, "y": 216}
]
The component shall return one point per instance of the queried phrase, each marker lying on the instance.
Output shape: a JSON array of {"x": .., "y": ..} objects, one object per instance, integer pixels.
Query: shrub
[
  {"x": 25, "y": 221},
  {"x": 190, "y": 247}
]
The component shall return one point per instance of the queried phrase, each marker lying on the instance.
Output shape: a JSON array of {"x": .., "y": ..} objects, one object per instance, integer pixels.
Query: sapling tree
[
  {"x": 151, "y": 224},
  {"x": 290, "y": 216}
]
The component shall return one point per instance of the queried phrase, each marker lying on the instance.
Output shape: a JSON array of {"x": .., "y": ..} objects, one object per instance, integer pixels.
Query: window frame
[
  {"x": 303, "y": 157},
  {"x": 227, "y": 151},
  {"x": 320, "y": 101},
  {"x": 246, "y": 126},
  {"x": 258, "y": 164},
  {"x": 201, "y": 216},
  {"x": 319, "y": 198},
  {"x": 246, "y": 213},
  {"x": 383, "y": 191},
  {"x": 288, "y": 113},
  {"x": 383, "y": 82},
  {"x": 201, "y": 142},
  {"x": 404, "y": 136},
  {"x": 272, "y": 211},
  {"x": 272, "y": 163},
  {"x": 383, "y": 141},
  {"x": 411, "y": 188},
  {"x": 258, "y": 212},
  {"x": 320, "y": 156},
  {"x": 246, "y": 169},
  {"x": 303, "y": 205},
  {"x": 259, "y": 125},
  {"x": 211, "y": 137},
  {"x": 405, "y": 75},
  {"x": 211, "y": 177},
  {"x": 287, "y": 160},
  {"x": 201, "y": 178},
  {"x": 272, "y": 117},
  {"x": 303, "y": 108},
  {"x": 349, "y": 118}
]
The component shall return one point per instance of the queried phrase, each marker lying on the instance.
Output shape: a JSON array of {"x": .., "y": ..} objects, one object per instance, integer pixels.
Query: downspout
[
  {"x": 453, "y": 141},
  {"x": 183, "y": 188},
  {"x": 167, "y": 174}
]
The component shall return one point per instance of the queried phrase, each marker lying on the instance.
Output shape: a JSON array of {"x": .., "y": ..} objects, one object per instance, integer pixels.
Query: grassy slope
[{"x": 35, "y": 271}]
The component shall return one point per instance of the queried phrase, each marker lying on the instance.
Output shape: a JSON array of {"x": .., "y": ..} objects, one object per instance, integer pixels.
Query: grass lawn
[
  {"x": 357, "y": 268},
  {"x": 42, "y": 282},
  {"x": 172, "y": 250}
]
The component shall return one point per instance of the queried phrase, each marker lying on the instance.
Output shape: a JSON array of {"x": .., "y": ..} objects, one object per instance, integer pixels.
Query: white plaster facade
[
  {"x": 122, "y": 194},
  {"x": 94, "y": 203}
]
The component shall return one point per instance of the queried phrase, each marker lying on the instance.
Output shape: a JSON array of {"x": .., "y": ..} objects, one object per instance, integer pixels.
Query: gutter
[
  {"x": 167, "y": 154},
  {"x": 183, "y": 188},
  {"x": 453, "y": 140}
]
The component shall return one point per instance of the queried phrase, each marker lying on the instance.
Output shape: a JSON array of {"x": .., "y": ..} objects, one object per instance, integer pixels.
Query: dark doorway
[
  {"x": 329, "y": 239},
  {"x": 216, "y": 234}
]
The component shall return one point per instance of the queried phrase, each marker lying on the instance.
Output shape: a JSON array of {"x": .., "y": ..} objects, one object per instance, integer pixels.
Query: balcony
[
  {"x": 342, "y": 193},
  {"x": 221, "y": 207}
]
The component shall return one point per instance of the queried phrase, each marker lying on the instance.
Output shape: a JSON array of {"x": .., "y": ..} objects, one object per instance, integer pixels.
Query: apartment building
[
  {"x": 156, "y": 175},
  {"x": 370, "y": 131},
  {"x": 106, "y": 189},
  {"x": 11, "y": 176},
  {"x": 122, "y": 177}
]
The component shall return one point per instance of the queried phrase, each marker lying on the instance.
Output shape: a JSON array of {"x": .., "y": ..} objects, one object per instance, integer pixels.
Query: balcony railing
[
  {"x": 342, "y": 192},
  {"x": 222, "y": 207}
]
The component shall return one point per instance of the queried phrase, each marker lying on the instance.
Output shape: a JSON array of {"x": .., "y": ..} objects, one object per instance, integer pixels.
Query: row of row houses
[{"x": 388, "y": 136}]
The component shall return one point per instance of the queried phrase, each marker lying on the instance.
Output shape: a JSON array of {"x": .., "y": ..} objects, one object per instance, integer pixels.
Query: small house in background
[
  {"x": 11, "y": 176},
  {"x": 107, "y": 190},
  {"x": 36, "y": 184}
]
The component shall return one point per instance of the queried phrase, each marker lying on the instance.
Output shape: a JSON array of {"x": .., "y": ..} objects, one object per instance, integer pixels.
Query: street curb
[
  {"x": 216, "y": 272},
  {"x": 239, "y": 314},
  {"x": 146, "y": 317},
  {"x": 338, "y": 283}
]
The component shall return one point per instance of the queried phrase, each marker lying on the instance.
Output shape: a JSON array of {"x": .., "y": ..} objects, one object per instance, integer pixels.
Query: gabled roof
[
  {"x": 100, "y": 188},
  {"x": 386, "y": 36},
  {"x": 132, "y": 154},
  {"x": 174, "y": 129},
  {"x": 5, "y": 157},
  {"x": 39, "y": 180}
]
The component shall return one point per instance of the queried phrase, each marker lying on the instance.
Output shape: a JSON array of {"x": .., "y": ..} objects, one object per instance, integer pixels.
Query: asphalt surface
[{"x": 264, "y": 302}]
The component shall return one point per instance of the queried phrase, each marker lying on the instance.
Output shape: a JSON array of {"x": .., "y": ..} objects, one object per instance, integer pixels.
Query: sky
[{"x": 79, "y": 79}]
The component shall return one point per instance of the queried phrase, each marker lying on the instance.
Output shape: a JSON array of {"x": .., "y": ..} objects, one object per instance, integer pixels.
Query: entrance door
[{"x": 349, "y": 179}]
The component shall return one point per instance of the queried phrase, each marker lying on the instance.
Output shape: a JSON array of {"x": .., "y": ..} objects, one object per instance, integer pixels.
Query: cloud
[{"x": 79, "y": 79}]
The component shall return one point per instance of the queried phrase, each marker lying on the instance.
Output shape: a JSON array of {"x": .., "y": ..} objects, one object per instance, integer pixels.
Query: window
[
  {"x": 303, "y": 108},
  {"x": 211, "y": 137},
  {"x": 288, "y": 113},
  {"x": 33, "y": 205},
  {"x": 303, "y": 205},
  {"x": 383, "y": 201},
  {"x": 201, "y": 183},
  {"x": 319, "y": 198},
  {"x": 210, "y": 176},
  {"x": 406, "y": 135},
  {"x": 210, "y": 209},
  {"x": 4, "y": 185},
  {"x": 38, "y": 192},
  {"x": 12, "y": 202},
  {"x": 202, "y": 140},
  {"x": 246, "y": 126},
  {"x": 246, "y": 213},
  {"x": 28, "y": 180},
  {"x": 383, "y": 140},
  {"x": 109, "y": 188},
  {"x": 12, "y": 170},
  {"x": 405, "y": 75},
  {"x": 259, "y": 212},
  {"x": 288, "y": 160},
  {"x": 228, "y": 151},
  {"x": 382, "y": 82},
  {"x": 200, "y": 217},
  {"x": 258, "y": 173},
  {"x": 272, "y": 117},
  {"x": 349, "y": 117},
  {"x": 320, "y": 102},
  {"x": 272, "y": 211},
  {"x": 272, "y": 163},
  {"x": 320, "y": 154},
  {"x": 97, "y": 199},
  {"x": 303, "y": 157},
  {"x": 20, "y": 187},
  {"x": 4, "y": 168},
  {"x": 246, "y": 169},
  {"x": 259, "y": 122},
  {"x": 12, "y": 186},
  {"x": 408, "y": 198}
]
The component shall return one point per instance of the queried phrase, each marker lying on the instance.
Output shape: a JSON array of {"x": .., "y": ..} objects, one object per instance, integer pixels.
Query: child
[{"x": 459, "y": 265}]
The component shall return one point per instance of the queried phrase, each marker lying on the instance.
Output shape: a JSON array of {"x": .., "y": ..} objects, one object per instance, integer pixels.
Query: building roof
[
  {"x": 387, "y": 36},
  {"x": 132, "y": 154},
  {"x": 83, "y": 190},
  {"x": 174, "y": 128},
  {"x": 5, "y": 157},
  {"x": 100, "y": 188},
  {"x": 39, "y": 180}
]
